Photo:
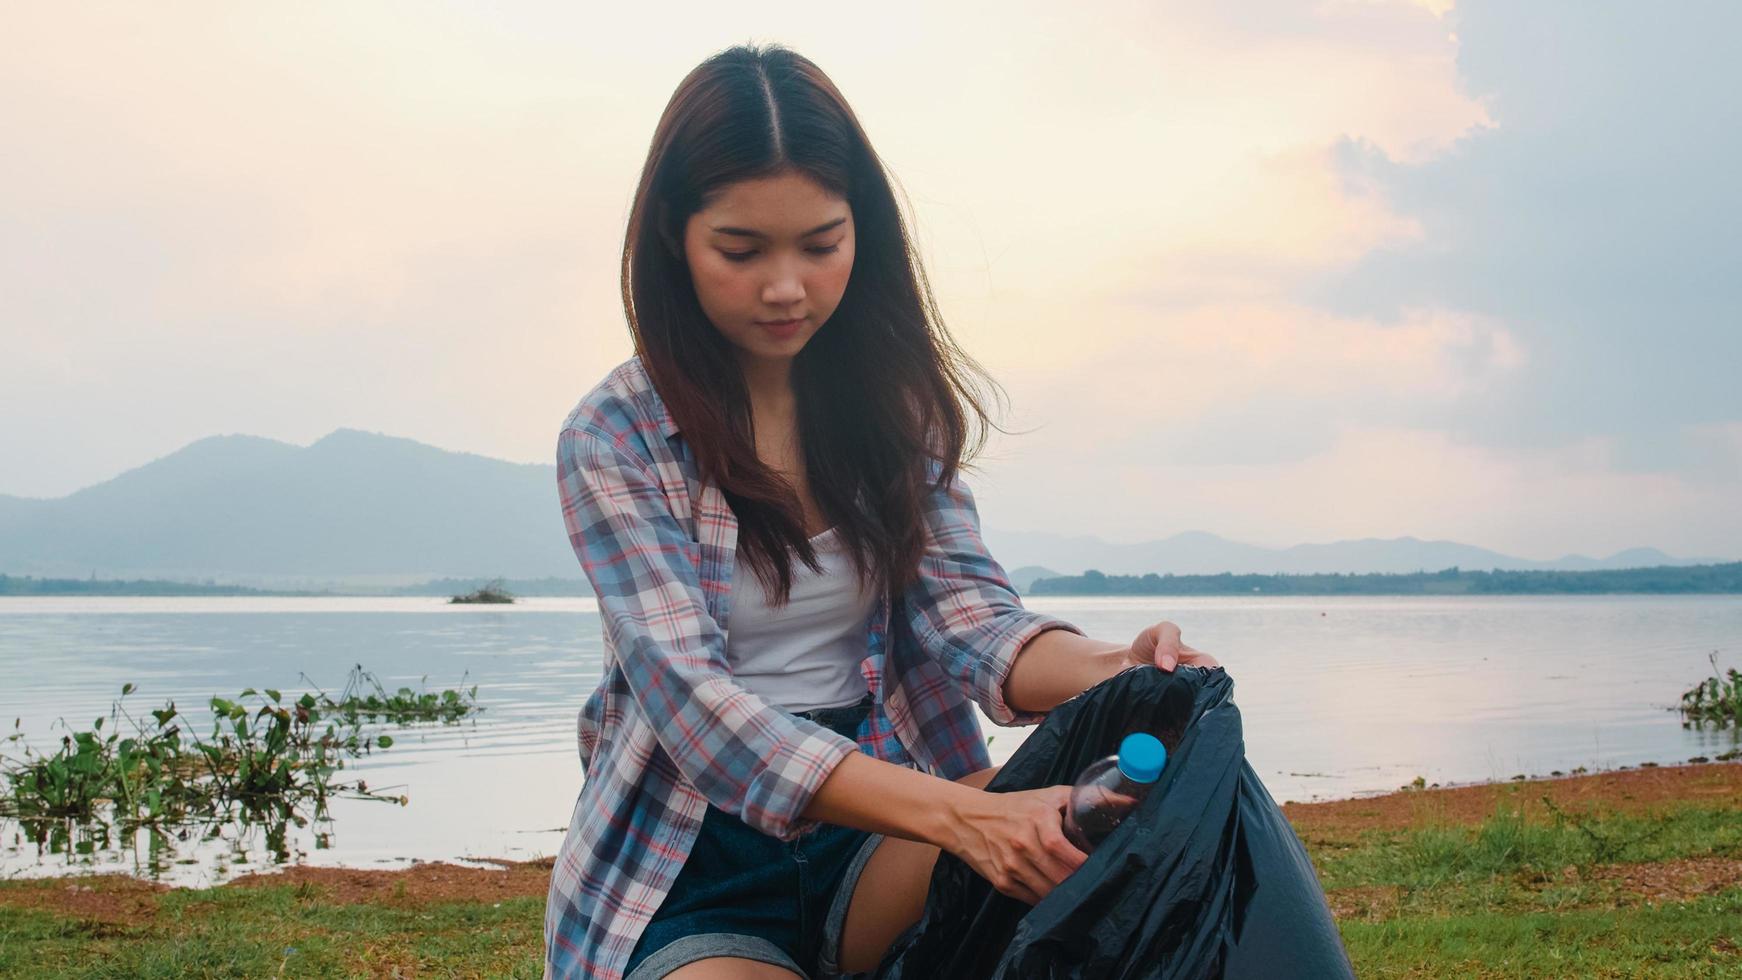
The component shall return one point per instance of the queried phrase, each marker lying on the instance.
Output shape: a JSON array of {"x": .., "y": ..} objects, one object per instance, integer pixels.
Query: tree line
[{"x": 1659, "y": 580}]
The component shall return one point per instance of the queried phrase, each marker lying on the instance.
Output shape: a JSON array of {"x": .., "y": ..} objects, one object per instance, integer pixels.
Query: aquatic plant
[
  {"x": 492, "y": 592},
  {"x": 165, "y": 772},
  {"x": 275, "y": 751},
  {"x": 355, "y": 703},
  {"x": 269, "y": 762},
  {"x": 1717, "y": 699}
]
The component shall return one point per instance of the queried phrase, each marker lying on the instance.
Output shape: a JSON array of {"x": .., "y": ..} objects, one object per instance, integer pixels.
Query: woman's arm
[
  {"x": 1013, "y": 840},
  {"x": 1059, "y": 665},
  {"x": 963, "y": 611}
]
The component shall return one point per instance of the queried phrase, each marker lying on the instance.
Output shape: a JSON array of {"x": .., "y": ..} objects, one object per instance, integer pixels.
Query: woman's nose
[
  {"x": 786, "y": 282},
  {"x": 784, "y": 289}
]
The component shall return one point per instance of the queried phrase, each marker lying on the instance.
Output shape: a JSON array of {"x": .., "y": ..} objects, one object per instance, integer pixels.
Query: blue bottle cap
[{"x": 1141, "y": 757}]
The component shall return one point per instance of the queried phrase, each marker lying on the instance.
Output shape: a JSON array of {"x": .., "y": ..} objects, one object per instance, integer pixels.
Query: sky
[{"x": 1283, "y": 272}]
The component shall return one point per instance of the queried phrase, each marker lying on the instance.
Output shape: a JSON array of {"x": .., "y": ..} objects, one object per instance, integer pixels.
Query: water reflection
[
  {"x": 229, "y": 842},
  {"x": 269, "y": 764},
  {"x": 1339, "y": 696}
]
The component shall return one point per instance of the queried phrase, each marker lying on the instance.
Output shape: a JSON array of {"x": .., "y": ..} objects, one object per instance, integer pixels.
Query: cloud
[
  {"x": 208, "y": 202},
  {"x": 1230, "y": 241},
  {"x": 1596, "y": 218},
  {"x": 1381, "y": 481},
  {"x": 1257, "y": 383}
]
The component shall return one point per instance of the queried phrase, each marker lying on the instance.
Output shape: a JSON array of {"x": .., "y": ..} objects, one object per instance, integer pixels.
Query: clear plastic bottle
[{"x": 1111, "y": 788}]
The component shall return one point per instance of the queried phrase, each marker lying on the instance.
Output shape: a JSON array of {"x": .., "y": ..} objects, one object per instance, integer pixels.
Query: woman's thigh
[
  {"x": 890, "y": 893},
  {"x": 730, "y": 968}
]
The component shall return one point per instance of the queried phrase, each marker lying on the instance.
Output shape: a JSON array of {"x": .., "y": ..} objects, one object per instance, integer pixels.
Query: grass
[
  {"x": 1621, "y": 875},
  {"x": 278, "y": 931},
  {"x": 1685, "y": 939},
  {"x": 1510, "y": 843},
  {"x": 1509, "y": 898},
  {"x": 1610, "y": 887}
]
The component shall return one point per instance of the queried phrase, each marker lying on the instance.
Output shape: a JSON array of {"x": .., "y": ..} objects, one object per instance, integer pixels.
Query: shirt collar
[{"x": 661, "y": 414}]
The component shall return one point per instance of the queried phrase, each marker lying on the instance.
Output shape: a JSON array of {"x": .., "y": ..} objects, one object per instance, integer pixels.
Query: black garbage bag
[{"x": 1205, "y": 879}]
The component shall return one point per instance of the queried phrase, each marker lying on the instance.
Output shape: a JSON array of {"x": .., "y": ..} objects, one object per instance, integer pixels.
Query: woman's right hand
[{"x": 1016, "y": 840}]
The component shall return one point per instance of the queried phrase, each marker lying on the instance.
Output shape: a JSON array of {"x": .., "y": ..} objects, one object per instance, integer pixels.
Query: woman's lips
[{"x": 783, "y": 328}]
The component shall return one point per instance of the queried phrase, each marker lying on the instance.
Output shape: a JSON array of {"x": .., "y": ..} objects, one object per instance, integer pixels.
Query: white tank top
[{"x": 806, "y": 654}]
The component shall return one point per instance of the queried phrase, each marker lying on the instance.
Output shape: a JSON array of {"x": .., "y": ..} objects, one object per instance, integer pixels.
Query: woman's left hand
[{"x": 1160, "y": 646}]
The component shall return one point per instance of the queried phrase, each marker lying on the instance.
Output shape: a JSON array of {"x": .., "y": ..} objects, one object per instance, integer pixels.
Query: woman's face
[{"x": 767, "y": 250}]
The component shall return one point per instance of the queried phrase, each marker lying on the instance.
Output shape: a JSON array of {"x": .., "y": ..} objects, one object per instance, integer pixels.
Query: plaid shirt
[{"x": 668, "y": 731}]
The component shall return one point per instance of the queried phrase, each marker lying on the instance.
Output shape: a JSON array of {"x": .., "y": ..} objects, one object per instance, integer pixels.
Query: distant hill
[
  {"x": 354, "y": 505},
  {"x": 1200, "y": 553},
  {"x": 381, "y": 512},
  {"x": 1723, "y": 579},
  {"x": 31, "y": 586},
  {"x": 1026, "y": 576}
]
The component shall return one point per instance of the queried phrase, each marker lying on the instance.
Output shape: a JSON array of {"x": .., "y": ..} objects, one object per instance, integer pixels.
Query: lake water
[{"x": 1340, "y": 697}]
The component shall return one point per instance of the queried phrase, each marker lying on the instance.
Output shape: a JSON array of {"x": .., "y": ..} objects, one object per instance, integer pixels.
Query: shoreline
[
  {"x": 1628, "y": 788},
  {"x": 1581, "y": 772},
  {"x": 1632, "y": 872}
]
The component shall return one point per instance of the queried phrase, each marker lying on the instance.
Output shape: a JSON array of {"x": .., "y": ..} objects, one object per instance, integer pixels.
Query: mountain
[
  {"x": 1200, "y": 553},
  {"x": 354, "y": 505},
  {"x": 364, "y": 508},
  {"x": 1027, "y": 575}
]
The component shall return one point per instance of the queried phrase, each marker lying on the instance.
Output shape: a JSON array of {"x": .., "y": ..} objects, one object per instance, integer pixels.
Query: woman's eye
[{"x": 747, "y": 256}]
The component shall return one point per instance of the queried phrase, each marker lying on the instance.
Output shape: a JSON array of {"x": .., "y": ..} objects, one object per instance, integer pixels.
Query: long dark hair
[{"x": 882, "y": 390}]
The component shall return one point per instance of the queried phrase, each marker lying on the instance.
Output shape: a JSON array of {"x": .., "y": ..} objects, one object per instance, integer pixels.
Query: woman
[{"x": 781, "y": 455}]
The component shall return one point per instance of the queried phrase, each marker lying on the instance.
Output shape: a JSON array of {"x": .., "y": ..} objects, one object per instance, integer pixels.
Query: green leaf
[{"x": 385, "y": 741}]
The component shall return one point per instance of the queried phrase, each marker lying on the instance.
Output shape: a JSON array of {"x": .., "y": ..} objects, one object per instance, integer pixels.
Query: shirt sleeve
[
  {"x": 746, "y": 756},
  {"x": 963, "y": 610}
]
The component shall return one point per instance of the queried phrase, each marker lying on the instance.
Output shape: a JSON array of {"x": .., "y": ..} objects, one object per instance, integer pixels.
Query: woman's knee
[
  {"x": 890, "y": 893},
  {"x": 978, "y": 780},
  {"x": 730, "y": 968}
]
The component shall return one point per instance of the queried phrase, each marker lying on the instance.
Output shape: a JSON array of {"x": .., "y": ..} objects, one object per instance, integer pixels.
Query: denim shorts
[{"x": 743, "y": 893}]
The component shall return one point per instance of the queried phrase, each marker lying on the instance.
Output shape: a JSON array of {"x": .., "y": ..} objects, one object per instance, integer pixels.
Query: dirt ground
[
  {"x": 1626, "y": 791},
  {"x": 419, "y": 884},
  {"x": 115, "y": 898},
  {"x": 93, "y": 898}
]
